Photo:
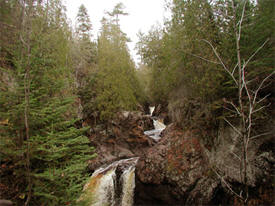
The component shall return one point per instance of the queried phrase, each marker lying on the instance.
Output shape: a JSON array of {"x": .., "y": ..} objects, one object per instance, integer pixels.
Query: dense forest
[
  {"x": 210, "y": 64},
  {"x": 212, "y": 56}
]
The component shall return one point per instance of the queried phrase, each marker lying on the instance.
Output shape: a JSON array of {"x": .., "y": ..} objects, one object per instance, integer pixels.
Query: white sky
[{"x": 142, "y": 15}]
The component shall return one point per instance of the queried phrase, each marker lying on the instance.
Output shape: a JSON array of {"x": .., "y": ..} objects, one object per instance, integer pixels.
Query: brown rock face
[
  {"x": 178, "y": 167},
  {"x": 123, "y": 139}
]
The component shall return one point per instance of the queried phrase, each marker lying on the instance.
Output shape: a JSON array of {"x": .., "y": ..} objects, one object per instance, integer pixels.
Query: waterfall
[
  {"x": 159, "y": 125},
  {"x": 152, "y": 109},
  {"x": 112, "y": 185},
  {"x": 155, "y": 133},
  {"x": 128, "y": 185}
]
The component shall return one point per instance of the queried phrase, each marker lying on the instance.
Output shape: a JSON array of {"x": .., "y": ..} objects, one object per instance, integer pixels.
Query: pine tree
[
  {"x": 84, "y": 55},
  {"x": 83, "y": 23},
  {"x": 115, "y": 84},
  {"x": 51, "y": 158}
]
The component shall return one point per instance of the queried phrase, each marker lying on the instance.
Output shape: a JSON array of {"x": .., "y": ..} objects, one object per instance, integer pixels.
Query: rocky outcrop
[
  {"x": 179, "y": 170},
  {"x": 261, "y": 158},
  {"x": 178, "y": 166},
  {"x": 161, "y": 112},
  {"x": 124, "y": 138}
]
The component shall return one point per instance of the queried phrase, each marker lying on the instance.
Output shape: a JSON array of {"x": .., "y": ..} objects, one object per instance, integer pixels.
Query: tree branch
[
  {"x": 251, "y": 57},
  {"x": 217, "y": 55},
  {"x": 259, "y": 135},
  {"x": 227, "y": 185},
  {"x": 236, "y": 130},
  {"x": 238, "y": 112},
  {"x": 202, "y": 58},
  {"x": 260, "y": 86}
]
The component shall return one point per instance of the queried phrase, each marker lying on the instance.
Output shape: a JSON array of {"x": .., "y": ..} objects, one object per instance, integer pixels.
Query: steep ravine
[{"x": 175, "y": 168}]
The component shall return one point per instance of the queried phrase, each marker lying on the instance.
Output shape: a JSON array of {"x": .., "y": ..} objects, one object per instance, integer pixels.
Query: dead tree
[{"x": 249, "y": 103}]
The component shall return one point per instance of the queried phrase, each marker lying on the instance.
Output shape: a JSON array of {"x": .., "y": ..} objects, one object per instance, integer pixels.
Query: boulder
[
  {"x": 178, "y": 166},
  {"x": 124, "y": 138}
]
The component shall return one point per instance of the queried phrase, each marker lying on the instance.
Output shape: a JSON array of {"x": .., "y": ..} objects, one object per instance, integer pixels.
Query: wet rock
[
  {"x": 123, "y": 138},
  {"x": 179, "y": 164},
  {"x": 161, "y": 111}
]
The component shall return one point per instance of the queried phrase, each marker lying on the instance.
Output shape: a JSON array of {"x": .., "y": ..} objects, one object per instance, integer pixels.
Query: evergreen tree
[
  {"x": 175, "y": 52},
  {"x": 116, "y": 78},
  {"x": 84, "y": 55},
  {"x": 47, "y": 156},
  {"x": 83, "y": 23}
]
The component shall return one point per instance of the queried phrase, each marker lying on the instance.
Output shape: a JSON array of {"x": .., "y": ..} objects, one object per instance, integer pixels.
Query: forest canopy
[{"x": 58, "y": 82}]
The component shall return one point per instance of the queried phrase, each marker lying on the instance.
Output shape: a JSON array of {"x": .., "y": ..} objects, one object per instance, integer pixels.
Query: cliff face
[
  {"x": 123, "y": 139},
  {"x": 175, "y": 171},
  {"x": 178, "y": 169}
]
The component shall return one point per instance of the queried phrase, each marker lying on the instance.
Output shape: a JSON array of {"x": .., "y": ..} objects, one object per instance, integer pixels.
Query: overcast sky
[{"x": 142, "y": 15}]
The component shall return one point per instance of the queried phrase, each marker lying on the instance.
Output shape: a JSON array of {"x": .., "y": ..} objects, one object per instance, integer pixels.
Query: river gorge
[{"x": 141, "y": 161}]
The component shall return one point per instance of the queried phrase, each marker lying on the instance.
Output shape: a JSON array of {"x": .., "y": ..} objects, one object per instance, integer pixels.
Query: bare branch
[
  {"x": 22, "y": 40},
  {"x": 259, "y": 135},
  {"x": 236, "y": 130},
  {"x": 217, "y": 55},
  {"x": 260, "y": 86},
  {"x": 262, "y": 99},
  {"x": 246, "y": 88},
  {"x": 241, "y": 21},
  {"x": 236, "y": 156},
  {"x": 234, "y": 69},
  {"x": 230, "y": 110},
  {"x": 257, "y": 110},
  {"x": 233, "y": 106},
  {"x": 251, "y": 57},
  {"x": 249, "y": 81},
  {"x": 227, "y": 185}
]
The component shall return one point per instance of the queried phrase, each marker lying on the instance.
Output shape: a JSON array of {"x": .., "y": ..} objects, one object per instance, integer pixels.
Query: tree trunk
[{"x": 26, "y": 29}]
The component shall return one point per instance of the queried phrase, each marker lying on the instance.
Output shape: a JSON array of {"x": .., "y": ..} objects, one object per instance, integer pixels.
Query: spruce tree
[
  {"x": 116, "y": 81},
  {"x": 83, "y": 23},
  {"x": 84, "y": 55},
  {"x": 54, "y": 154}
]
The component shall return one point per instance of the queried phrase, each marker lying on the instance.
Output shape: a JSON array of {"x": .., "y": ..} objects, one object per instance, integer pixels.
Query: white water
[
  {"x": 128, "y": 185},
  {"x": 105, "y": 194},
  {"x": 152, "y": 109},
  {"x": 102, "y": 186},
  {"x": 155, "y": 133},
  {"x": 159, "y": 126}
]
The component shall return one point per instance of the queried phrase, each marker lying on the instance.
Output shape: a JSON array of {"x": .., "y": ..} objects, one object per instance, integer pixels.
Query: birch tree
[{"x": 249, "y": 101}]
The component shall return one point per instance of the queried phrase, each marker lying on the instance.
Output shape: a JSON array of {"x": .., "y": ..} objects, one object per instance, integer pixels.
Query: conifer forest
[{"x": 72, "y": 102}]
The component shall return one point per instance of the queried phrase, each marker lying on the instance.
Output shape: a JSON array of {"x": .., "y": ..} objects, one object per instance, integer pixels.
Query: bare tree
[{"x": 249, "y": 103}]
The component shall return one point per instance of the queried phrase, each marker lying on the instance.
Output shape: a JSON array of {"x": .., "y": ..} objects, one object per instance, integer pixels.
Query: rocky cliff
[{"x": 178, "y": 169}]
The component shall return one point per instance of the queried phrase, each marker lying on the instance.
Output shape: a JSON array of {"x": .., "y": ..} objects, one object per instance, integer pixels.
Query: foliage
[
  {"x": 222, "y": 55},
  {"x": 84, "y": 25},
  {"x": 183, "y": 64},
  {"x": 117, "y": 86},
  {"x": 55, "y": 153}
]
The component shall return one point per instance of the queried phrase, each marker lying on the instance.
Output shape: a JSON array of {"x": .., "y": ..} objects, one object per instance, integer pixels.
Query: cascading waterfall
[
  {"x": 112, "y": 185},
  {"x": 155, "y": 133},
  {"x": 128, "y": 185},
  {"x": 152, "y": 109},
  {"x": 105, "y": 193},
  {"x": 159, "y": 126}
]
